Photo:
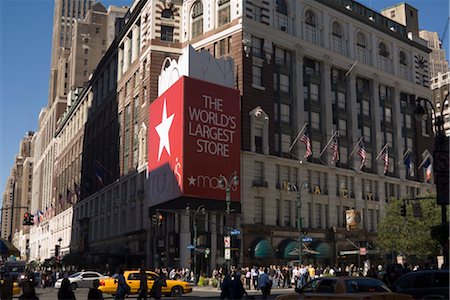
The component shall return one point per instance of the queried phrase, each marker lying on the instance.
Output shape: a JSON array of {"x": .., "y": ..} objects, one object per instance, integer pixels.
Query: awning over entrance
[
  {"x": 286, "y": 248},
  {"x": 323, "y": 249},
  {"x": 7, "y": 249},
  {"x": 262, "y": 249}
]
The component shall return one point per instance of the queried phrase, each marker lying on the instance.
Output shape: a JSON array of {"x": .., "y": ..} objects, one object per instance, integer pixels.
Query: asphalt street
[{"x": 199, "y": 292}]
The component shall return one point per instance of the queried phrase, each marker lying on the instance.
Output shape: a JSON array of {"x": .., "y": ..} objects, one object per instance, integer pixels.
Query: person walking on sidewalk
[
  {"x": 265, "y": 284},
  {"x": 143, "y": 285},
  {"x": 255, "y": 275},
  {"x": 225, "y": 287}
]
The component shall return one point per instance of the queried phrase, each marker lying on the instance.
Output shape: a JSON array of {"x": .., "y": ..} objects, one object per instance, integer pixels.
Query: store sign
[{"x": 194, "y": 137}]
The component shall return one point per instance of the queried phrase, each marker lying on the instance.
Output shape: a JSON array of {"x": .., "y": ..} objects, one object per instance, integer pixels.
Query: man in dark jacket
[
  {"x": 226, "y": 285},
  {"x": 157, "y": 286}
]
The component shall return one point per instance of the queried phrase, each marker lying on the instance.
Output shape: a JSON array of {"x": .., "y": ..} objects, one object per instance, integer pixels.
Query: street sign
[
  {"x": 190, "y": 247},
  {"x": 349, "y": 252},
  {"x": 307, "y": 239},
  {"x": 227, "y": 253},
  {"x": 235, "y": 232},
  {"x": 227, "y": 241}
]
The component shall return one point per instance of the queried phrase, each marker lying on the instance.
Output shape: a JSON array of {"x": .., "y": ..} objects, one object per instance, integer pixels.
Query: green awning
[
  {"x": 289, "y": 249},
  {"x": 323, "y": 248},
  {"x": 263, "y": 249},
  {"x": 7, "y": 249}
]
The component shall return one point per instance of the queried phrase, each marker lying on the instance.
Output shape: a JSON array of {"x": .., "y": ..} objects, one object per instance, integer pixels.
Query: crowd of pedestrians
[{"x": 235, "y": 283}]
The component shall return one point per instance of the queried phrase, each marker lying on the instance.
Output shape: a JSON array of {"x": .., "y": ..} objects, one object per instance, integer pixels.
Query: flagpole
[
  {"x": 298, "y": 135},
  {"x": 379, "y": 154},
  {"x": 354, "y": 148},
  {"x": 403, "y": 157},
  {"x": 328, "y": 144},
  {"x": 423, "y": 161}
]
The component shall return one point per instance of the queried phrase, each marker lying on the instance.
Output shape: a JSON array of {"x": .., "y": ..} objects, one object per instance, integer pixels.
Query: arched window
[
  {"x": 403, "y": 65},
  {"x": 310, "y": 27},
  {"x": 336, "y": 38},
  {"x": 403, "y": 60},
  {"x": 167, "y": 27},
  {"x": 383, "y": 50},
  {"x": 224, "y": 12},
  {"x": 337, "y": 30},
  {"x": 361, "y": 40},
  {"x": 197, "y": 19},
  {"x": 361, "y": 51},
  {"x": 282, "y": 15},
  {"x": 383, "y": 57},
  {"x": 310, "y": 18},
  {"x": 167, "y": 14}
]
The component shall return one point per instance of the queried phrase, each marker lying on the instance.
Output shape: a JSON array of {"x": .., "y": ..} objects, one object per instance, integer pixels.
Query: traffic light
[
  {"x": 57, "y": 247},
  {"x": 154, "y": 219},
  {"x": 403, "y": 210},
  {"x": 28, "y": 219},
  {"x": 160, "y": 218}
]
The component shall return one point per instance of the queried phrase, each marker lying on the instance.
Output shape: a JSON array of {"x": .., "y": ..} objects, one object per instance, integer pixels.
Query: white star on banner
[
  {"x": 163, "y": 131},
  {"x": 192, "y": 180}
]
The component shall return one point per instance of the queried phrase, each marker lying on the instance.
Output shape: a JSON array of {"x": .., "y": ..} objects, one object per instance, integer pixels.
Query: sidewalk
[{"x": 252, "y": 291}]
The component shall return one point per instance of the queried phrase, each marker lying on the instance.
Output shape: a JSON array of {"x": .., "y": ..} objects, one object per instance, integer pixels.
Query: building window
[
  {"x": 318, "y": 215},
  {"x": 259, "y": 211},
  {"x": 315, "y": 120},
  {"x": 259, "y": 140},
  {"x": 258, "y": 175},
  {"x": 285, "y": 113},
  {"x": 257, "y": 75},
  {"x": 285, "y": 143},
  {"x": 257, "y": 46},
  {"x": 383, "y": 56},
  {"x": 366, "y": 107},
  {"x": 166, "y": 33},
  {"x": 342, "y": 127},
  {"x": 197, "y": 19},
  {"x": 361, "y": 52},
  {"x": 336, "y": 38},
  {"x": 388, "y": 114},
  {"x": 257, "y": 13},
  {"x": 224, "y": 12},
  {"x": 167, "y": 14},
  {"x": 282, "y": 15},
  {"x": 314, "y": 92},
  {"x": 285, "y": 83},
  {"x": 403, "y": 60},
  {"x": 366, "y": 133},
  {"x": 310, "y": 27},
  {"x": 287, "y": 213},
  {"x": 341, "y": 100}
]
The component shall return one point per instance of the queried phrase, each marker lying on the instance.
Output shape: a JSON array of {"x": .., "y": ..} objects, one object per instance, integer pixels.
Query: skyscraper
[{"x": 66, "y": 13}]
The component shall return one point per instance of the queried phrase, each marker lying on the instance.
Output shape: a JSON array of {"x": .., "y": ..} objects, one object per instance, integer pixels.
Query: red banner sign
[{"x": 194, "y": 137}]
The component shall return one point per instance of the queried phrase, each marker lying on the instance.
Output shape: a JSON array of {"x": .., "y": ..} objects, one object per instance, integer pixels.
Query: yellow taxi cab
[
  {"x": 16, "y": 288},
  {"x": 174, "y": 288},
  {"x": 344, "y": 288}
]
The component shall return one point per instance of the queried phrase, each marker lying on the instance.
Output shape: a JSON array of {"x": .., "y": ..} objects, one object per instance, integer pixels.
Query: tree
[{"x": 410, "y": 235}]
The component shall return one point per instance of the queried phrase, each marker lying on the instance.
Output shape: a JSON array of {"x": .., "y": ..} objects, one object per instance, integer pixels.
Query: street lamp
[
  {"x": 200, "y": 210},
  {"x": 227, "y": 184},
  {"x": 298, "y": 202},
  {"x": 440, "y": 162}
]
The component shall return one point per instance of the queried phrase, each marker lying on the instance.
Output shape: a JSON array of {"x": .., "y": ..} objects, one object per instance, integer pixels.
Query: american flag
[
  {"x": 385, "y": 157},
  {"x": 335, "y": 147},
  {"x": 363, "y": 154},
  {"x": 428, "y": 169},
  {"x": 305, "y": 139}
]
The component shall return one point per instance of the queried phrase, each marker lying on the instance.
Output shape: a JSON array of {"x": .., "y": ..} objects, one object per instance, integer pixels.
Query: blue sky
[{"x": 25, "y": 49}]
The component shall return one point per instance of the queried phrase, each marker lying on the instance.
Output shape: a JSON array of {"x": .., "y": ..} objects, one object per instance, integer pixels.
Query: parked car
[
  {"x": 81, "y": 279},
  {"x": 344, "y": 287},
  {"x": 174, "y": 288},
  {"x": 426, "y": 284}
]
